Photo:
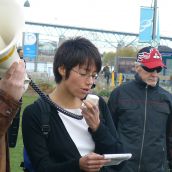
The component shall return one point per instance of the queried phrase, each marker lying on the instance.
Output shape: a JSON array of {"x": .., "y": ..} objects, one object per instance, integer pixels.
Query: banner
[
  {"x": 30, "y": 45},
  {"x": 146, "y": 24}
]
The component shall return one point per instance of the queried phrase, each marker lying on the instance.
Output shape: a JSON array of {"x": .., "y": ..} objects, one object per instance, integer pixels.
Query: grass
[{"x": 16, "y": 154}]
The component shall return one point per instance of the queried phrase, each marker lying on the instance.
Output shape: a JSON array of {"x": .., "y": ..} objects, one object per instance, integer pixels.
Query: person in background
[
  {"x": 141, "y": 111},
  {"x": 11, "y": 90},
  {"x": 106, "y": 71},
  {"x": 20, "y": 52},
  {"x": 72, "y": 145},
  {"x": 14, "y": 128}
]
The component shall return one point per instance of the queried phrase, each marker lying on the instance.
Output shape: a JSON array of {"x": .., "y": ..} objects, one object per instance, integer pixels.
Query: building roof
[{"x": 164, "y": 49}]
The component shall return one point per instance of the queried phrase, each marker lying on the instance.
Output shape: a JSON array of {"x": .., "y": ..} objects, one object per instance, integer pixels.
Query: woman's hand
[
  {"x": 92, "y": 162},
  {"x": 91, "y": 114}
]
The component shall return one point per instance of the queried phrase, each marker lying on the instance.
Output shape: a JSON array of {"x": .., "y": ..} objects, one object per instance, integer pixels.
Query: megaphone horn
[{"x": 12, "y": 22}]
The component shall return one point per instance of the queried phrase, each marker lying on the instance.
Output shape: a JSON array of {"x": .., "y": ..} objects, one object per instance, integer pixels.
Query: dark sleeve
[
  {"x": 36, "y": 147},
  {"x": 113, "y": 105},
  {"x": 106, "y": 138},
  {"x": 169, "y": 138}
]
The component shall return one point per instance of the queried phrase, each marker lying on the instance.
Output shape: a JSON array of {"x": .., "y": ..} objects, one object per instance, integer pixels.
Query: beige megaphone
[{"x": 11, "y": 25}]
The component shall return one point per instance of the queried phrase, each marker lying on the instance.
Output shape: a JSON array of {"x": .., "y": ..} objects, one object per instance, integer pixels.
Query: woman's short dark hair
[{"x": 73, "y": 52}]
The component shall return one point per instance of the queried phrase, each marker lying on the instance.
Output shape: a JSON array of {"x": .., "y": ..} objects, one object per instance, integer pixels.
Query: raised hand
[
  {"x": 91, "y": 114},
  {"x": 13, "y": 81}
]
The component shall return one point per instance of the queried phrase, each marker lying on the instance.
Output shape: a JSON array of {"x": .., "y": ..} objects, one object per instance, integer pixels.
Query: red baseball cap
[{"x": 150, "y": 57}]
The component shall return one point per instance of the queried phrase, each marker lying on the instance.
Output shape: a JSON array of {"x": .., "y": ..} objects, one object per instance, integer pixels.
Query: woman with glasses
[
  {"x": 141, "y": 111},
  {"x": 81, "y": 132}
]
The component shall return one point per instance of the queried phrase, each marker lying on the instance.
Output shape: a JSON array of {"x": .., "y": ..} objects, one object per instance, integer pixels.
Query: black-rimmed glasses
[{"x": 86, "y": 75}]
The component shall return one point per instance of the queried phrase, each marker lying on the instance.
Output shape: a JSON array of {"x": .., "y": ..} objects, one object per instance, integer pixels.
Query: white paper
[{"x": 117, "y": 158}]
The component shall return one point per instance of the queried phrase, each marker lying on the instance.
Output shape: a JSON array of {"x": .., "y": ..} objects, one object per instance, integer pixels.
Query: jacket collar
[{"x": 141, "y": 83}]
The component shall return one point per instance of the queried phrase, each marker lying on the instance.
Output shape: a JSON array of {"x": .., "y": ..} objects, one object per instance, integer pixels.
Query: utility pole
[{"x": 154, "y": 32}]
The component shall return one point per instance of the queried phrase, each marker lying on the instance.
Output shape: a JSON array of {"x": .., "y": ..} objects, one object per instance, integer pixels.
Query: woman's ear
[{"x": 62, "y": 71}]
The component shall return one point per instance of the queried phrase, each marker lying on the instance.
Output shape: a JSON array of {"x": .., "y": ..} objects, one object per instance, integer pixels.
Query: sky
[{"x": 114, "y": 15}]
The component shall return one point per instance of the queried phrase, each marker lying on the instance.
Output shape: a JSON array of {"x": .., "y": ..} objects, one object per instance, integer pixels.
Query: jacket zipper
[
  {"x": 144, "y": 128},
  {"x": 164, "y": 159}
]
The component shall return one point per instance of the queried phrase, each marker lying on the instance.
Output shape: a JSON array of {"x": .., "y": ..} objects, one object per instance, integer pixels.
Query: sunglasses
[{"x": 157, "y": 69}]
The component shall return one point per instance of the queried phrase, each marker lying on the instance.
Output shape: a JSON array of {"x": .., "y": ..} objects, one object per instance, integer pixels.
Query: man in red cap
[{"x": 141, "y": 111}]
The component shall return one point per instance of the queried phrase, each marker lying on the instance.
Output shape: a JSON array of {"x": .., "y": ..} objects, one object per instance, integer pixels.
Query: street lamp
[
  {"x": 154, "y": 30},
  {"x": 26, "y": 4}
]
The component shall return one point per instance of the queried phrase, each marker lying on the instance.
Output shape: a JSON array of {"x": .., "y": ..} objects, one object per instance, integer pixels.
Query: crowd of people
[{"x": 137, "y": 118}]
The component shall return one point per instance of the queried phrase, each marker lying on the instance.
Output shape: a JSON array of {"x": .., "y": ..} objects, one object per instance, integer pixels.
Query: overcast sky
[{"x": 116, "y": 15}]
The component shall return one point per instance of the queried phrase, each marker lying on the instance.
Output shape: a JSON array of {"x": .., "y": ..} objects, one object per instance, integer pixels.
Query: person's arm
[
  {"x": 11, "y": 90},
  {"x": 169, "y": 140}
]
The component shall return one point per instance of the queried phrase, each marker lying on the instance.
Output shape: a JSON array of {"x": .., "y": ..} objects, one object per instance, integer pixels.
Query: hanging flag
[
  {"x": 146, "y": 24},
  {"x": 30, "y": 45}
]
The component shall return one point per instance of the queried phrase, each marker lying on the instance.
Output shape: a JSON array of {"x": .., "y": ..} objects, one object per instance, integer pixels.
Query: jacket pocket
[
  {"x": 157, "y": 118},
  {"x": 129, "y": 116},
  {"x": 160, "y": 107}
]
